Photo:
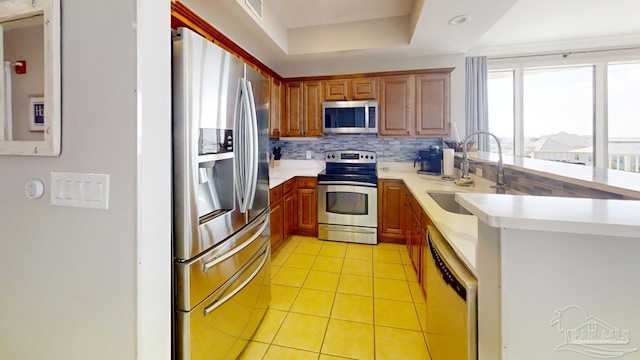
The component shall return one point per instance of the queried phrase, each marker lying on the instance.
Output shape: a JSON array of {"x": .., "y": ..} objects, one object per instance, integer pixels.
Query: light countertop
[
  {"x": 287, "y": 169},
  {"x": 461, "y": 231},
  {"x": 557, "y": 214}
]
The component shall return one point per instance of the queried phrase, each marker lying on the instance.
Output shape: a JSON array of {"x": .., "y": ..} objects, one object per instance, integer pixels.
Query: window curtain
[{"x": 477, "y": 116}]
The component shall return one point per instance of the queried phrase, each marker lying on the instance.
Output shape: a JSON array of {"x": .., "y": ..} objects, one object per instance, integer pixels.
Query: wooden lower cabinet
[
  {"x": 416, "y": 234},
  {"x": 276, "y": 217},
  {"x": 402, "y": 220},
  {"x": 290, "y": 202},
  {"x": 422, "y": 274},
  {"x": 294, "y": 209},
  {"x": 392, "y": 211},
  {"x": 307, "y": 206}
]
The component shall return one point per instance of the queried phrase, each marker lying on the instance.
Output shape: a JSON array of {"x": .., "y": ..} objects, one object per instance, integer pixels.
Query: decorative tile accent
[
  {"x": 532, "y": 184},
  {"x": 387, "y": 149}
]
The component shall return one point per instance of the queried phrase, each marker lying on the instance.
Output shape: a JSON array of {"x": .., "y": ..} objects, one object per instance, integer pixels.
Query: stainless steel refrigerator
[{"x": 222, "y": 281}]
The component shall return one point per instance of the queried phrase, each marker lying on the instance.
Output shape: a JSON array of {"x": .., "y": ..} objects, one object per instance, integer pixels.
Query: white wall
[{"x": 76, "y": 282}]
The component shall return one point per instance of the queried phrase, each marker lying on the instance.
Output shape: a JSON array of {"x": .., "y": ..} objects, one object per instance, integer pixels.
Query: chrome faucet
[{"x": 499, "y": 186}]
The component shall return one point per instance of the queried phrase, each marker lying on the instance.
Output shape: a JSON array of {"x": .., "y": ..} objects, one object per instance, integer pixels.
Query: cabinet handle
[
  {"x": 418, "y": 132},
  {"x": 407, "y": 132}
]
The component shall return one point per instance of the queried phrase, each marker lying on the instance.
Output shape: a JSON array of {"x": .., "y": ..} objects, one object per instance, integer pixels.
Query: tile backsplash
[
  {"x": 389, "y": 150},
  {"x": 530, "y": 184}
]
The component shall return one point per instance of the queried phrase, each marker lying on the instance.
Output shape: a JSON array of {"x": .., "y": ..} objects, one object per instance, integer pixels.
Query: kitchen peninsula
[{"x": 556, "y": 276}]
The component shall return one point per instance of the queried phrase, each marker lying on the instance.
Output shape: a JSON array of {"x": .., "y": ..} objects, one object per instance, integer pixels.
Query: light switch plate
[{"x": 80, "y": 190}]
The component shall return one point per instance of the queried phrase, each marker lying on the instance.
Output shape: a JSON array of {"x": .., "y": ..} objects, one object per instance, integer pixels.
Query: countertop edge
[{"x": 497, "y": 211}]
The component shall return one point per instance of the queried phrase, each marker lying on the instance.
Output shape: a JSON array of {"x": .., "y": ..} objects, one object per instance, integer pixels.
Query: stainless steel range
[{"x": 348, "y": 197}]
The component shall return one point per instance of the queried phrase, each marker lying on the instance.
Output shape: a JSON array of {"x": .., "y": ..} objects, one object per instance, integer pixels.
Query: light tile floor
[{"x": 333, "y": 300}]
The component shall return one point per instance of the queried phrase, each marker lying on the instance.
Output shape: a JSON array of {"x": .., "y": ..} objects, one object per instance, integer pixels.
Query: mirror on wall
[{"x": 30, "y": 77}]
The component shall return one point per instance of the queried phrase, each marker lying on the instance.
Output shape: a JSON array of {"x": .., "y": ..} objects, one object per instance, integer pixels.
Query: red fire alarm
[{"x": 21, "y": 67}]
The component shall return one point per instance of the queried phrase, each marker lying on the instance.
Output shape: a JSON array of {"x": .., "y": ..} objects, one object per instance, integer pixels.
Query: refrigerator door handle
[
  {"x": 220, "y": 301},
  {"x": 253, "y": 154},
  {"x": 239, "y": 148},
  {"x": 215, "y": 261},
  {"x": 247, "y": 146}
]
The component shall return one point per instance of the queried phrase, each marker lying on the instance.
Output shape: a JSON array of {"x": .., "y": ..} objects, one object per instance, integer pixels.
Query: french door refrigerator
[{"x": 222, "y": 281}]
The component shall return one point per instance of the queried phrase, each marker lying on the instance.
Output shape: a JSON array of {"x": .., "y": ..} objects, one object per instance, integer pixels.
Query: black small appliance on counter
[{"x": 430, "y": 161}]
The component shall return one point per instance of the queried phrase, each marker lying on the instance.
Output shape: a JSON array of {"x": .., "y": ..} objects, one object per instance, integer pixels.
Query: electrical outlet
[
  {"x": 309, "y": 154},
  {"x": 479, "y": 172}
]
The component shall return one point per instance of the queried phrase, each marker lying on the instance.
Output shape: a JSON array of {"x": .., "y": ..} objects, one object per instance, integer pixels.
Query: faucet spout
[{"x": 465, "y": 160}]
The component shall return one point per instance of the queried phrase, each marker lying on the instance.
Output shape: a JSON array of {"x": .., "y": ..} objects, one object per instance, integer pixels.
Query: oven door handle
[{"x": 353, "y": 183}]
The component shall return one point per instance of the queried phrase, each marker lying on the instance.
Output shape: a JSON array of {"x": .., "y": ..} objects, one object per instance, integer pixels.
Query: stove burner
[{"x": 350, "y": 166}]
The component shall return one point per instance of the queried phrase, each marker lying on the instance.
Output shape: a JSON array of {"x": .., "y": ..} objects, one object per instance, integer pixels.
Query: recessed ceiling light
[{"x": 457, "y": 20}]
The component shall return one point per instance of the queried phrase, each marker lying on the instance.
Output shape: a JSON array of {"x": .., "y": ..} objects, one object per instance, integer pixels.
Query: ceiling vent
[{"x": 256, "y": 7}]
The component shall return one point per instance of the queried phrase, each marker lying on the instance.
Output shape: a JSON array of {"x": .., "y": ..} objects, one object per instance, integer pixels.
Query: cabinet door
[
  {"x": 294, "y": 113},
  {"x": 422, "y": 272},
  {"x": 391, "y": 201},
  {"x": 289, "y": 204},
  {"x": 432, "y": 104},
  {"x": 406, "y": 216},
  {"x": 312, "y": 107},
  {"x": 276, "y": 225},
  {"x": 308, "y": 211},
  {"x": 396, "y": 105},
  {"x": 363, "y": 89},
  {"x": 416, "y": 232},
  {"x": 335, "y": 90},
  {"x": 275, "y": 107}
]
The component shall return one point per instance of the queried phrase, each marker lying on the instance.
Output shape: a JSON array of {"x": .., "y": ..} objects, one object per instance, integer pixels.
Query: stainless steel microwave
[{"x": 350, "y": 117}]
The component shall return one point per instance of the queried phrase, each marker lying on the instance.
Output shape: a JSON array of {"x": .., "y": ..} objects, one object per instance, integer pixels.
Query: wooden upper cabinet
[
  {"x": 336, "y": 90},
  {"x": 294, "y": 114},
  {"x": 275, "y": 107},
  {"x": 396, "y": 105},
  {"x": 350, "y": 89},
  {"x": 303, "y": 109},
  {"x": 312, "y": 92},
  {"x": 432, "y": 104},
  {"x": 364, "y": 88}
]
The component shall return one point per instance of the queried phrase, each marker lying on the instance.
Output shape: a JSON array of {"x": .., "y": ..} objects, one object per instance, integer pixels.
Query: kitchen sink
[{"x": 447, "y": 201}]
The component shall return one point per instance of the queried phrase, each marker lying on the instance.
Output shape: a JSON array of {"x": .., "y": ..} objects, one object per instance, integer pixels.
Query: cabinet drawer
[
  {"x": 289, "y": 185},
  {"x": 307, "y": 182},
  {"x": 275, "y": 194}
]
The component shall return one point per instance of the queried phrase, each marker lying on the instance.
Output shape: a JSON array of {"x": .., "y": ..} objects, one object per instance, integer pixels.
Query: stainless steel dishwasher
[{"x": 452, "y": 330}]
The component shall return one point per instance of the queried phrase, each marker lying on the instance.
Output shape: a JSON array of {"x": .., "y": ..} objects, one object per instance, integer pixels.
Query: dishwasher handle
[{"x": 444, "y": 271}]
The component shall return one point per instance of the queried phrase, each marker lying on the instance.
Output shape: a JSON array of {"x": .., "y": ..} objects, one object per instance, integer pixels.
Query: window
[
  {"x": 500, "y": 97},
  {"x": 581, "y": 108},
  {"x": 624, "y": 116},
  {"x": 558, "y": 113}
]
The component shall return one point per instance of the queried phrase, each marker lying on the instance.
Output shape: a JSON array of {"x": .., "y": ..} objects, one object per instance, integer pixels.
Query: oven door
[{"x": 350, "y": 204}]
